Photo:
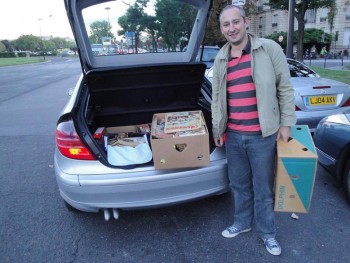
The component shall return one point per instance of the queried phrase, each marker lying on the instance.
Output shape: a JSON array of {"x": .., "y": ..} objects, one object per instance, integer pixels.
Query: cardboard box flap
[{"x": 300, "y": 145}]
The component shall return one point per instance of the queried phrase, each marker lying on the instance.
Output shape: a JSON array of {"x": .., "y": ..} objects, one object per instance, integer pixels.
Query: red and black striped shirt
[{"x": 241, "y": 95}]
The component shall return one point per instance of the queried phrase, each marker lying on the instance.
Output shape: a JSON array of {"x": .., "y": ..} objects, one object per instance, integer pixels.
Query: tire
[{"x": 346, "y": 176}]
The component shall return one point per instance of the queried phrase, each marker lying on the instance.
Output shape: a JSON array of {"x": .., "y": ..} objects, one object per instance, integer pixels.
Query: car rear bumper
[{"x": 142, "y": 188}]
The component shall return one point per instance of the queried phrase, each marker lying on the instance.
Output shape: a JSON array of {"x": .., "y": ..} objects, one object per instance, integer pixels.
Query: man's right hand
[{"x": 219, "y": 142}]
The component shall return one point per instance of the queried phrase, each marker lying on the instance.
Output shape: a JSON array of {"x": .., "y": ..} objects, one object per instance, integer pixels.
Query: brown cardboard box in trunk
[{"x": 179, "y": 152}]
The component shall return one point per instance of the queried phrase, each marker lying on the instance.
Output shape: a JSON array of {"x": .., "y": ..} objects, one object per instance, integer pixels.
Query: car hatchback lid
[{"x": 137, "y": 32}]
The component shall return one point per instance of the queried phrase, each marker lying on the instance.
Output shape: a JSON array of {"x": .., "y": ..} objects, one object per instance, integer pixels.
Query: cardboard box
[
  {"x": 179, "y": 152},
  {"x": 296, "y": 171}
]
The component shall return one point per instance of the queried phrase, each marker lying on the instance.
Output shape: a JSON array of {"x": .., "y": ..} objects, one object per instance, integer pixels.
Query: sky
[{"x": 29, "y": 17}]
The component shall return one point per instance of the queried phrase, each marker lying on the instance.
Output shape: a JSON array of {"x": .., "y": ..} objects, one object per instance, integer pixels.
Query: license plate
[{"x": 320, "y": 100}]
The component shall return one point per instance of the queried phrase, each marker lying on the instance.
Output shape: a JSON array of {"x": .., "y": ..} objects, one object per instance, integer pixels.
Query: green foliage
[
  {"x": 312, "y": 37},
  {"x": 135, "y": 20},
  {"x": 2, "y": 47},
  {"x": 100, "y": 29},
  {"x": 170, "y": 16},
  {"x": 300, "y": 9},
  {"x": 173, "y": 21},
  {"x": 28, "y": 42},
  {"x": 19, "y": 61},
  {"x": 7, "y": 55},
  {"x": 213, "y": 34},
  {"x": 21, "y": 54},
  {"x": 275, "y": 37}
]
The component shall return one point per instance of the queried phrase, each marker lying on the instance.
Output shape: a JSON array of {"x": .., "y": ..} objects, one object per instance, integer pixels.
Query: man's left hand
[{"x": 283, "y": 133}]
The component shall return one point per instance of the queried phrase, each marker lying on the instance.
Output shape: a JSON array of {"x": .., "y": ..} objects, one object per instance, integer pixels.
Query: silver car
[
  {"x": 315, "y": 97},
  {"x": 121, "y": 89}
]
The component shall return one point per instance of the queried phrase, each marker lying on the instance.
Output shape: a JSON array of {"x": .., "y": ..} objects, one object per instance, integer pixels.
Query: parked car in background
[
  {"x": 208, "y": 56},
  {"x": 125, "y": 90},
  {"x": 332, "y": 141},
  {"x": 67, "y": 53},
  {"x": 315, "y": 97}
]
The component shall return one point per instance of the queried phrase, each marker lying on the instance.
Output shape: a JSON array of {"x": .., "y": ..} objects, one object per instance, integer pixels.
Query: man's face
[{"x": 233, "y": 26}]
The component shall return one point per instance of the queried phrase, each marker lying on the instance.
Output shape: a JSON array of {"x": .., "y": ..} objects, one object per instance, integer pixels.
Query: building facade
[{"x": 267, "y": 21}]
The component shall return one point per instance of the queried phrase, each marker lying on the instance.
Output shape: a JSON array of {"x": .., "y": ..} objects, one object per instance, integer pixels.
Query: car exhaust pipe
[
  {"x": 107, "y": 214},
  {"x": 115, "y": 213}
]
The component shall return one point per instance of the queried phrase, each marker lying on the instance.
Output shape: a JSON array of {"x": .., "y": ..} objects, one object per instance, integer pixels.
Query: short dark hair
[{"x": 241, "y": 10}]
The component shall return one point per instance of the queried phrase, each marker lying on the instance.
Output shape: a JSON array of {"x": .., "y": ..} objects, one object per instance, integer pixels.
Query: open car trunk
[{"x": 130, "y": 96}]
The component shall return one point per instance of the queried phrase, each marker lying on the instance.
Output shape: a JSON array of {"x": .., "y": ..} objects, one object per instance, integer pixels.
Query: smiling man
[{"x": 253, "y": 103}]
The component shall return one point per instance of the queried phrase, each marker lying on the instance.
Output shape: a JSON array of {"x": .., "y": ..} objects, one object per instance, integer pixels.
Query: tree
[
  {"x": 275, "y": 37},
  {"x": 60, "y": 42},
  {"x": 99, "y": 29},
  {"x": 9, "y": 45},
  {"x": 300, "y": 9},
  {"x": 331, "y": 15},
  {"x": 152, "y": 28},
  {"x": 28, "y": 43},
  {"x": 213, "y": 34},
  {"x": 134, "y": 20},
  {"x": 2, "y": 47},
  {"x": 170, "y": 16},
  {"x": 312, "y": 37},
  {"x": 333, "y": 10}
]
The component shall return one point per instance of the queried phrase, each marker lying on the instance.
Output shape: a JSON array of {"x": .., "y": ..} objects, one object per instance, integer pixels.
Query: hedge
[{"x": 7, "y": 55}]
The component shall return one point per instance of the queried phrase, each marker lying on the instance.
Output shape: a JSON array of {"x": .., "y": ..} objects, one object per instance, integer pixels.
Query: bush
[
  {"x": 21, "y": 54},
  {"x": 7, "y": 55}
]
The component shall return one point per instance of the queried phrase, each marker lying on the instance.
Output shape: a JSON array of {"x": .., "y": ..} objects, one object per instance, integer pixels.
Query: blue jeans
[{"x": 251, "y": 170}]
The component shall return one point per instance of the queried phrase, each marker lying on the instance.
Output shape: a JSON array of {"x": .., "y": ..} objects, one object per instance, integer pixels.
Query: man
[{"x": 253, "y": 103}]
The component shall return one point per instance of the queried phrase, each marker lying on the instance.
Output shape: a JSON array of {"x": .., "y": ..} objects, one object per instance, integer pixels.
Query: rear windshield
[{"x": 137, "y": 27}]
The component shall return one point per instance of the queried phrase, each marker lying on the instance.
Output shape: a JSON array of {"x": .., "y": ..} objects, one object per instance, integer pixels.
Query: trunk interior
[{"x": 130, "y": 96}]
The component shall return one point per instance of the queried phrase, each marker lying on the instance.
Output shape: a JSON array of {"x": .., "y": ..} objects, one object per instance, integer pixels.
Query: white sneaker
[
  {"x": 233, "y": 231},
  {"x": 272, "y": 246}
]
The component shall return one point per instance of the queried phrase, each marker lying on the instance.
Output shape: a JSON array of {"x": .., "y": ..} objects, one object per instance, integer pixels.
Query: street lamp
[
  {"x": 290, "y": 29},
  {"x": 41, "y": 37},
  {"x": 108, "y": 8}
]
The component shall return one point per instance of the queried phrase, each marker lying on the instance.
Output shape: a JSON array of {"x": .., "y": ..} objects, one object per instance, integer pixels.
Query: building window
[
  {"x": 260, "y": 22},
  {"x": 260, "y": 6},
  {"x": 274, "y": 20},
  {"x": 324, "y": 13},
  {"x": 347, "y": 17},
  {"x": 310, "y": 16}
]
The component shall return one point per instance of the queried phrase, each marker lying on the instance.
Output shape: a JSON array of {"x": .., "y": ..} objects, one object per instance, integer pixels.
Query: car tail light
[
  {"x": 69, "y": 143},
  {"x": 347, "y": 103}
]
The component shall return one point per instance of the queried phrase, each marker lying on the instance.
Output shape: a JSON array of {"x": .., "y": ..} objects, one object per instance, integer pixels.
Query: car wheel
[{"x": 347, "y": 179}]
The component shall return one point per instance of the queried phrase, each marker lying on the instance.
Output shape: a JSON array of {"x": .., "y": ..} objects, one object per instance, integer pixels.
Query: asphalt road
[{"x": 36, "y": 227}]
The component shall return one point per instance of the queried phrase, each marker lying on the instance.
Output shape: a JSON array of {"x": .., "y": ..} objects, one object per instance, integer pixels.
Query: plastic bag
[{"x": 127, "y": 155}]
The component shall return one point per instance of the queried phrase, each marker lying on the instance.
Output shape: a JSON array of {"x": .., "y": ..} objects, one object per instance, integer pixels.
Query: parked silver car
[
  {"x": 128, "y": 89},
  {"x": 315, "y": 97}
]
